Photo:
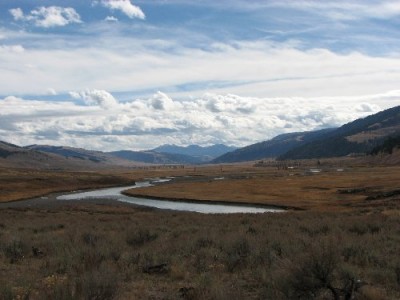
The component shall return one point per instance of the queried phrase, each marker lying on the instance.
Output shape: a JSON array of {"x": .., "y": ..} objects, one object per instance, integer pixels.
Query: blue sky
[{"x": 124, "y": 72}]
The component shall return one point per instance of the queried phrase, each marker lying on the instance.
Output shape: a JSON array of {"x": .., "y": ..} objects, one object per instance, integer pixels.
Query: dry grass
[
  {"x": 293, "y": 188},
  {"x": 101, "y": 252},
  {"x": 241, "y": 183},
  {"x": 16, "y": 184}
]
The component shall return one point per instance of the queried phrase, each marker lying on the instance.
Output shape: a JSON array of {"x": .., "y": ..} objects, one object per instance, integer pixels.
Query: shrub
[
  {"x": 90, "y": 239},
  {"x": 140, "y": 237},
  {"x": 236, "y": 255},
  {"x": 97, "y": 284},
  {"x": 320, "y": 274},
  {"x": 15, "y": 250},
  {"x": 204, "y": 243}
]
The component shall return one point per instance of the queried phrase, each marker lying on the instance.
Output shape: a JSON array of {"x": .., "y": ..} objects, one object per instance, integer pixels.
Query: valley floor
[{"x": 342, "y": 245}]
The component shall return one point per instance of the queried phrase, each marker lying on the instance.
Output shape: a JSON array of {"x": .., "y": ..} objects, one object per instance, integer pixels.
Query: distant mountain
[
  {"x": 172, "y": 154},
  {"x": 271, "y": 148},
  {"x": 203, "y": 154},
  {"x": 90, "y": 157},
  {"x": 13, "y": 156},
  {"x": 153, "y": 157},
  {"x": 359, "y": 136},
  {"x": 70, "y": 152}
]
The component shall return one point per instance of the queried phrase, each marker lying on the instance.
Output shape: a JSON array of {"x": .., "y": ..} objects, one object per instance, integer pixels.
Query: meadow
[
  {"x": 345, "y": 247},
  {"x": 98, "y": 251}
]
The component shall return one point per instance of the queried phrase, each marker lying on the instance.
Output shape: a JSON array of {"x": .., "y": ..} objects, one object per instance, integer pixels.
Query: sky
[{"x": 135, "y": 74}]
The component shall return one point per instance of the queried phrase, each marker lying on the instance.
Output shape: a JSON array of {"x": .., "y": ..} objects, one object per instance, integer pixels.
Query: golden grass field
[
  {"x": 294, "y": 188},
  {"x": 289, "y": 188}
]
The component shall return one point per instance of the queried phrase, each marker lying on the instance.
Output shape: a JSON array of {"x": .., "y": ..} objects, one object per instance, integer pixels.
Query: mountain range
[
  {"x": 64, "y": 157},
  {"x": 372, "y": 134},
  {"x": 358, "y": 137},
  {"x": 173, "y": 154}
]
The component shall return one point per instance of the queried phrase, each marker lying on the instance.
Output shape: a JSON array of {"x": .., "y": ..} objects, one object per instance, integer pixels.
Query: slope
[
  {"x": 271, "y": 148},
  {"x": 359, "y": 136}
]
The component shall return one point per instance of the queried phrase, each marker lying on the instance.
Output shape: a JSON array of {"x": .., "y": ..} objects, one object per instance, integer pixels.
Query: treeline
[{"x": 388, "y": 146}]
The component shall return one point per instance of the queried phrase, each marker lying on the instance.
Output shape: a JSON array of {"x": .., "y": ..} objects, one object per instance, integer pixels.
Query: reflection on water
[{"x": 115, "y": 193}]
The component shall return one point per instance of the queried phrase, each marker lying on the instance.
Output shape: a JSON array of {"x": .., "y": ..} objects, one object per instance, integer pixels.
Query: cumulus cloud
[
  {"x": 96, "y": 97},
  {"x": 103, "y": 123},
  {"x": 126, "y": 7},
  {"x": 161, "y": 101},
  {"x": 46, "y": 17},
  {"x": 229, "y": 103}
]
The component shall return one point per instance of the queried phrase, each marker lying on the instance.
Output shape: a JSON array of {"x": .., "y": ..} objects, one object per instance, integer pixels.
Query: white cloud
[
  {"x": 111, "y": 19},
  {"x": 126, "y": 7},
  {"x": 147, "y": 123},
  {"x": 161, "y": 101},
  {"x": 366, "y": 107},
  {"x": 17, "y": 13},
  {"x": 46, "y": 17},
  {"x": 96, "y": 97},
  {"x": 245, "y": 68}
]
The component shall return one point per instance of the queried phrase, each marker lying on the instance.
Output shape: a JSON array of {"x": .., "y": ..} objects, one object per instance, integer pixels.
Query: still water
[{"x": 115, "y": 193}]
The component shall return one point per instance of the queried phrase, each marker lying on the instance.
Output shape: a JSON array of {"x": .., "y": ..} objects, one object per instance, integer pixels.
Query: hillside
[
  {"x": 82, "y": 156},
  {"x": 388, "y": 146},
  {"x": 52, "y": 157},
  {"x": 13, "y": 156},
  {"x": 359, "y": 136},
  {"x": 70, "y": 152},
  {"x": 7, "y": 149},
  {"x": 271, "y": 148}
]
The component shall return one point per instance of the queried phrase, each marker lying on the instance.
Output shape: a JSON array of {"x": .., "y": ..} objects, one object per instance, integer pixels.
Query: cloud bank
[
  {"x": 247, "y": 68},
  {"x": 99, "y": 121}
]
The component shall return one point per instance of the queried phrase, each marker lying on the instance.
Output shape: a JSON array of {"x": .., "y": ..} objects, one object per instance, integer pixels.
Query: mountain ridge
[
  {"x": 358, "y": 136},
  {"x": 270, "y": 148}
]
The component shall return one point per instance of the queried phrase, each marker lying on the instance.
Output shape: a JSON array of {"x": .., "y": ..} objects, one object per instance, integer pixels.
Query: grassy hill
[
  {"x": 271, "y": 148},
  {"x": 359, "y": 136}
]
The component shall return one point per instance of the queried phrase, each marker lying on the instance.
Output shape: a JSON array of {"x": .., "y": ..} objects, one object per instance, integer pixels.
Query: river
[{"x": 115, "y": 193}]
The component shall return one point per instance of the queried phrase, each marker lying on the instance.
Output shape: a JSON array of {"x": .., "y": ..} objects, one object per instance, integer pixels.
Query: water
[{"x": 115, "y": 193}]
